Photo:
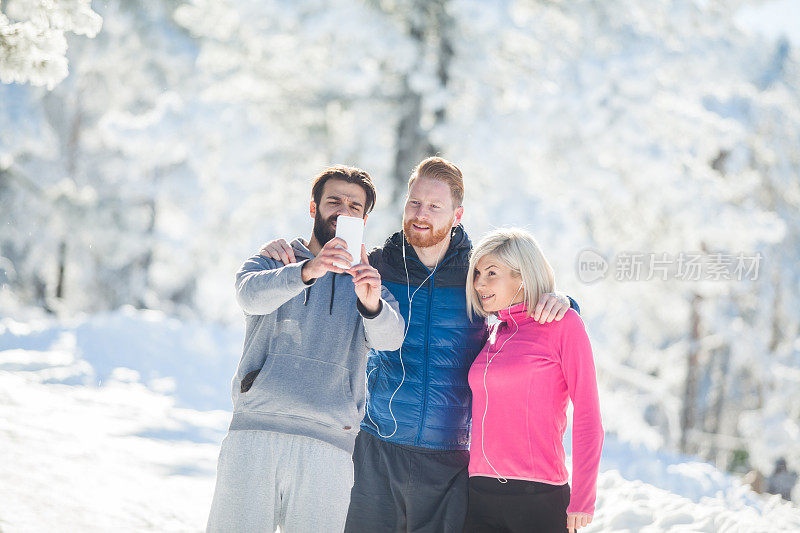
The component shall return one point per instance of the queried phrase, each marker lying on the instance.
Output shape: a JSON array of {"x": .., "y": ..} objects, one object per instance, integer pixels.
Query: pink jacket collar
[{"x": 518, "y": 311}]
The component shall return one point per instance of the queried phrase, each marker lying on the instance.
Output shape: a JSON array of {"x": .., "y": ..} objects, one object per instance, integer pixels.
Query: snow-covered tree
[
  {"x": 641, "y": 130},
  {"x": 33, "y": 43},
  {"x": 81, "y": 176}
]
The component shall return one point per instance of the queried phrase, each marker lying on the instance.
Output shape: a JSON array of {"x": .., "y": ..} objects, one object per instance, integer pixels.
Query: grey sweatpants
[{"x": 267, "y": 479}]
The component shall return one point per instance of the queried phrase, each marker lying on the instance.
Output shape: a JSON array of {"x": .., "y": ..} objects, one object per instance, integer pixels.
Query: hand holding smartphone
[{"x": 351, "y": 231}]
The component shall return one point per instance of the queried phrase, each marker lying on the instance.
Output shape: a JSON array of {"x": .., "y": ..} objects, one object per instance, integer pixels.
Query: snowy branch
[{"x": 33, "y": 44}]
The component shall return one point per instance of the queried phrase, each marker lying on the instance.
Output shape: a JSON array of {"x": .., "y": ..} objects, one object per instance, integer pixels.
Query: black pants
[
  {"x": 406, "y": 489},
  {"x": 516, "y": 506}
]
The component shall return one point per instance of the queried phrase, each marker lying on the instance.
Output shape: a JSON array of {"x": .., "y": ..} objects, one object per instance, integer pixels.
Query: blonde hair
[{"x": 519, "y": 251}]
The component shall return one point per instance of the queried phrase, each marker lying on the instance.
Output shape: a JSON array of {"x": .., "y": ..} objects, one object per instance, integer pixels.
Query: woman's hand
[{"x": 577, "y": 521}]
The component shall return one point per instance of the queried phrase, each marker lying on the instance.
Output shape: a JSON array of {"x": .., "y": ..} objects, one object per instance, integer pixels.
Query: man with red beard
[{"x": 411, "y": 454}]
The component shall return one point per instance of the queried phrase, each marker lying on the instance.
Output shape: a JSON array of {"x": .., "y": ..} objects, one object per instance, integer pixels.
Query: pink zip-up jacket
[{"x": 529, "y": 382}]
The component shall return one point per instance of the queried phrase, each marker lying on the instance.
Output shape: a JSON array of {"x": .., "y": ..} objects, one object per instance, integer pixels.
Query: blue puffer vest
[{"x": 433, "y": 405}]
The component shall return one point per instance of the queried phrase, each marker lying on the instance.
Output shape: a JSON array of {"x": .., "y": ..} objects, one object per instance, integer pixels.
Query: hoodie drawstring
[{"x": 333, "y": 289}]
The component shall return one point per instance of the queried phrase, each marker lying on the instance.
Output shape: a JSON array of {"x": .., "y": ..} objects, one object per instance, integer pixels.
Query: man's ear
[
  {"x": 312, "y": 209},
  {"x": 459, "y": 214}
]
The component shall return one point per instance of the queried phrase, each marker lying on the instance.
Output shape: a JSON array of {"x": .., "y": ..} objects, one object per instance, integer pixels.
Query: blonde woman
[{"x": 522, "y": 382}]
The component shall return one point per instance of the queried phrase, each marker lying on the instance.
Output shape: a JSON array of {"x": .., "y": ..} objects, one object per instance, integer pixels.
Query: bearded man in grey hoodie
[{"x": 299, "y": 390}]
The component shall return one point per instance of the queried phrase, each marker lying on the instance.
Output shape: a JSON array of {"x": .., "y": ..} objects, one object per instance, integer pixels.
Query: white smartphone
[{"x": 351, "y": 231}]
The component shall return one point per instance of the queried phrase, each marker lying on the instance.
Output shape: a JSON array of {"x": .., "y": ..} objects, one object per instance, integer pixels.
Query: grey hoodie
[{"x": 305, "y": 350}]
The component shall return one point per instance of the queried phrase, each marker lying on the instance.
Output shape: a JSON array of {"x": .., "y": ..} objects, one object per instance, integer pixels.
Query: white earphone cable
[
  {"x": 489, "y": 360},
  {"x": 408, "y": 324}
]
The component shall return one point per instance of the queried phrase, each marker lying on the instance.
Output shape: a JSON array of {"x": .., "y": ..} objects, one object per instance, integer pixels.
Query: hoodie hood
[
  {"x": 450, "y": 272},
  {"x": 301, "y": 250},
  {"x": 458, "y": 241},
  {"x": 451, "y": 267}
]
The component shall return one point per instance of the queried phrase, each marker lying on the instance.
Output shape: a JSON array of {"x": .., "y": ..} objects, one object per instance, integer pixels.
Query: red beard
[{"x": 428, "y": 238}]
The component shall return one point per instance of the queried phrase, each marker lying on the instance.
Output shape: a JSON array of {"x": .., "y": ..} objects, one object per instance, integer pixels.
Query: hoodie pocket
[
  {"x": 305, "y": 388},
  {"x": 248, "y": 380}
]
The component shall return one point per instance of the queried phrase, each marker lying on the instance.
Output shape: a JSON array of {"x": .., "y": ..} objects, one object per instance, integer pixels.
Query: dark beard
[
  {"x": 435, "y": 237},
  {"x": 324, "y": 230}
]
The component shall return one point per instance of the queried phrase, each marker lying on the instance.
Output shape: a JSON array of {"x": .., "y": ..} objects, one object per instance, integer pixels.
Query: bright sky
[{"x": 773, "y": 19}]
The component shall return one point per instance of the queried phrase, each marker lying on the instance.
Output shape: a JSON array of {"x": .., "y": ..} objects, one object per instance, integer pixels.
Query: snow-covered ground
[{"x": 112, "y": 423}]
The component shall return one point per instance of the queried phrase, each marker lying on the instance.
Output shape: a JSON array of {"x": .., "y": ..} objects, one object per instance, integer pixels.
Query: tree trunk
[
  {"x": 146, "y": 260},
  {"x": 429, "y": 26},
  {"x": 689, "y": 413},
  {"x": 720, "y": 362},
  {"x": 62, "y": 263},
  {"x": 410, "y": 139}
]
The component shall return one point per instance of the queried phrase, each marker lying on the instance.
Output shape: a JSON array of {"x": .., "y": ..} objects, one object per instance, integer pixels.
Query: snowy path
[
  {"x": 107, "y": 459},
  {"x": 125, "y": 456}
]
